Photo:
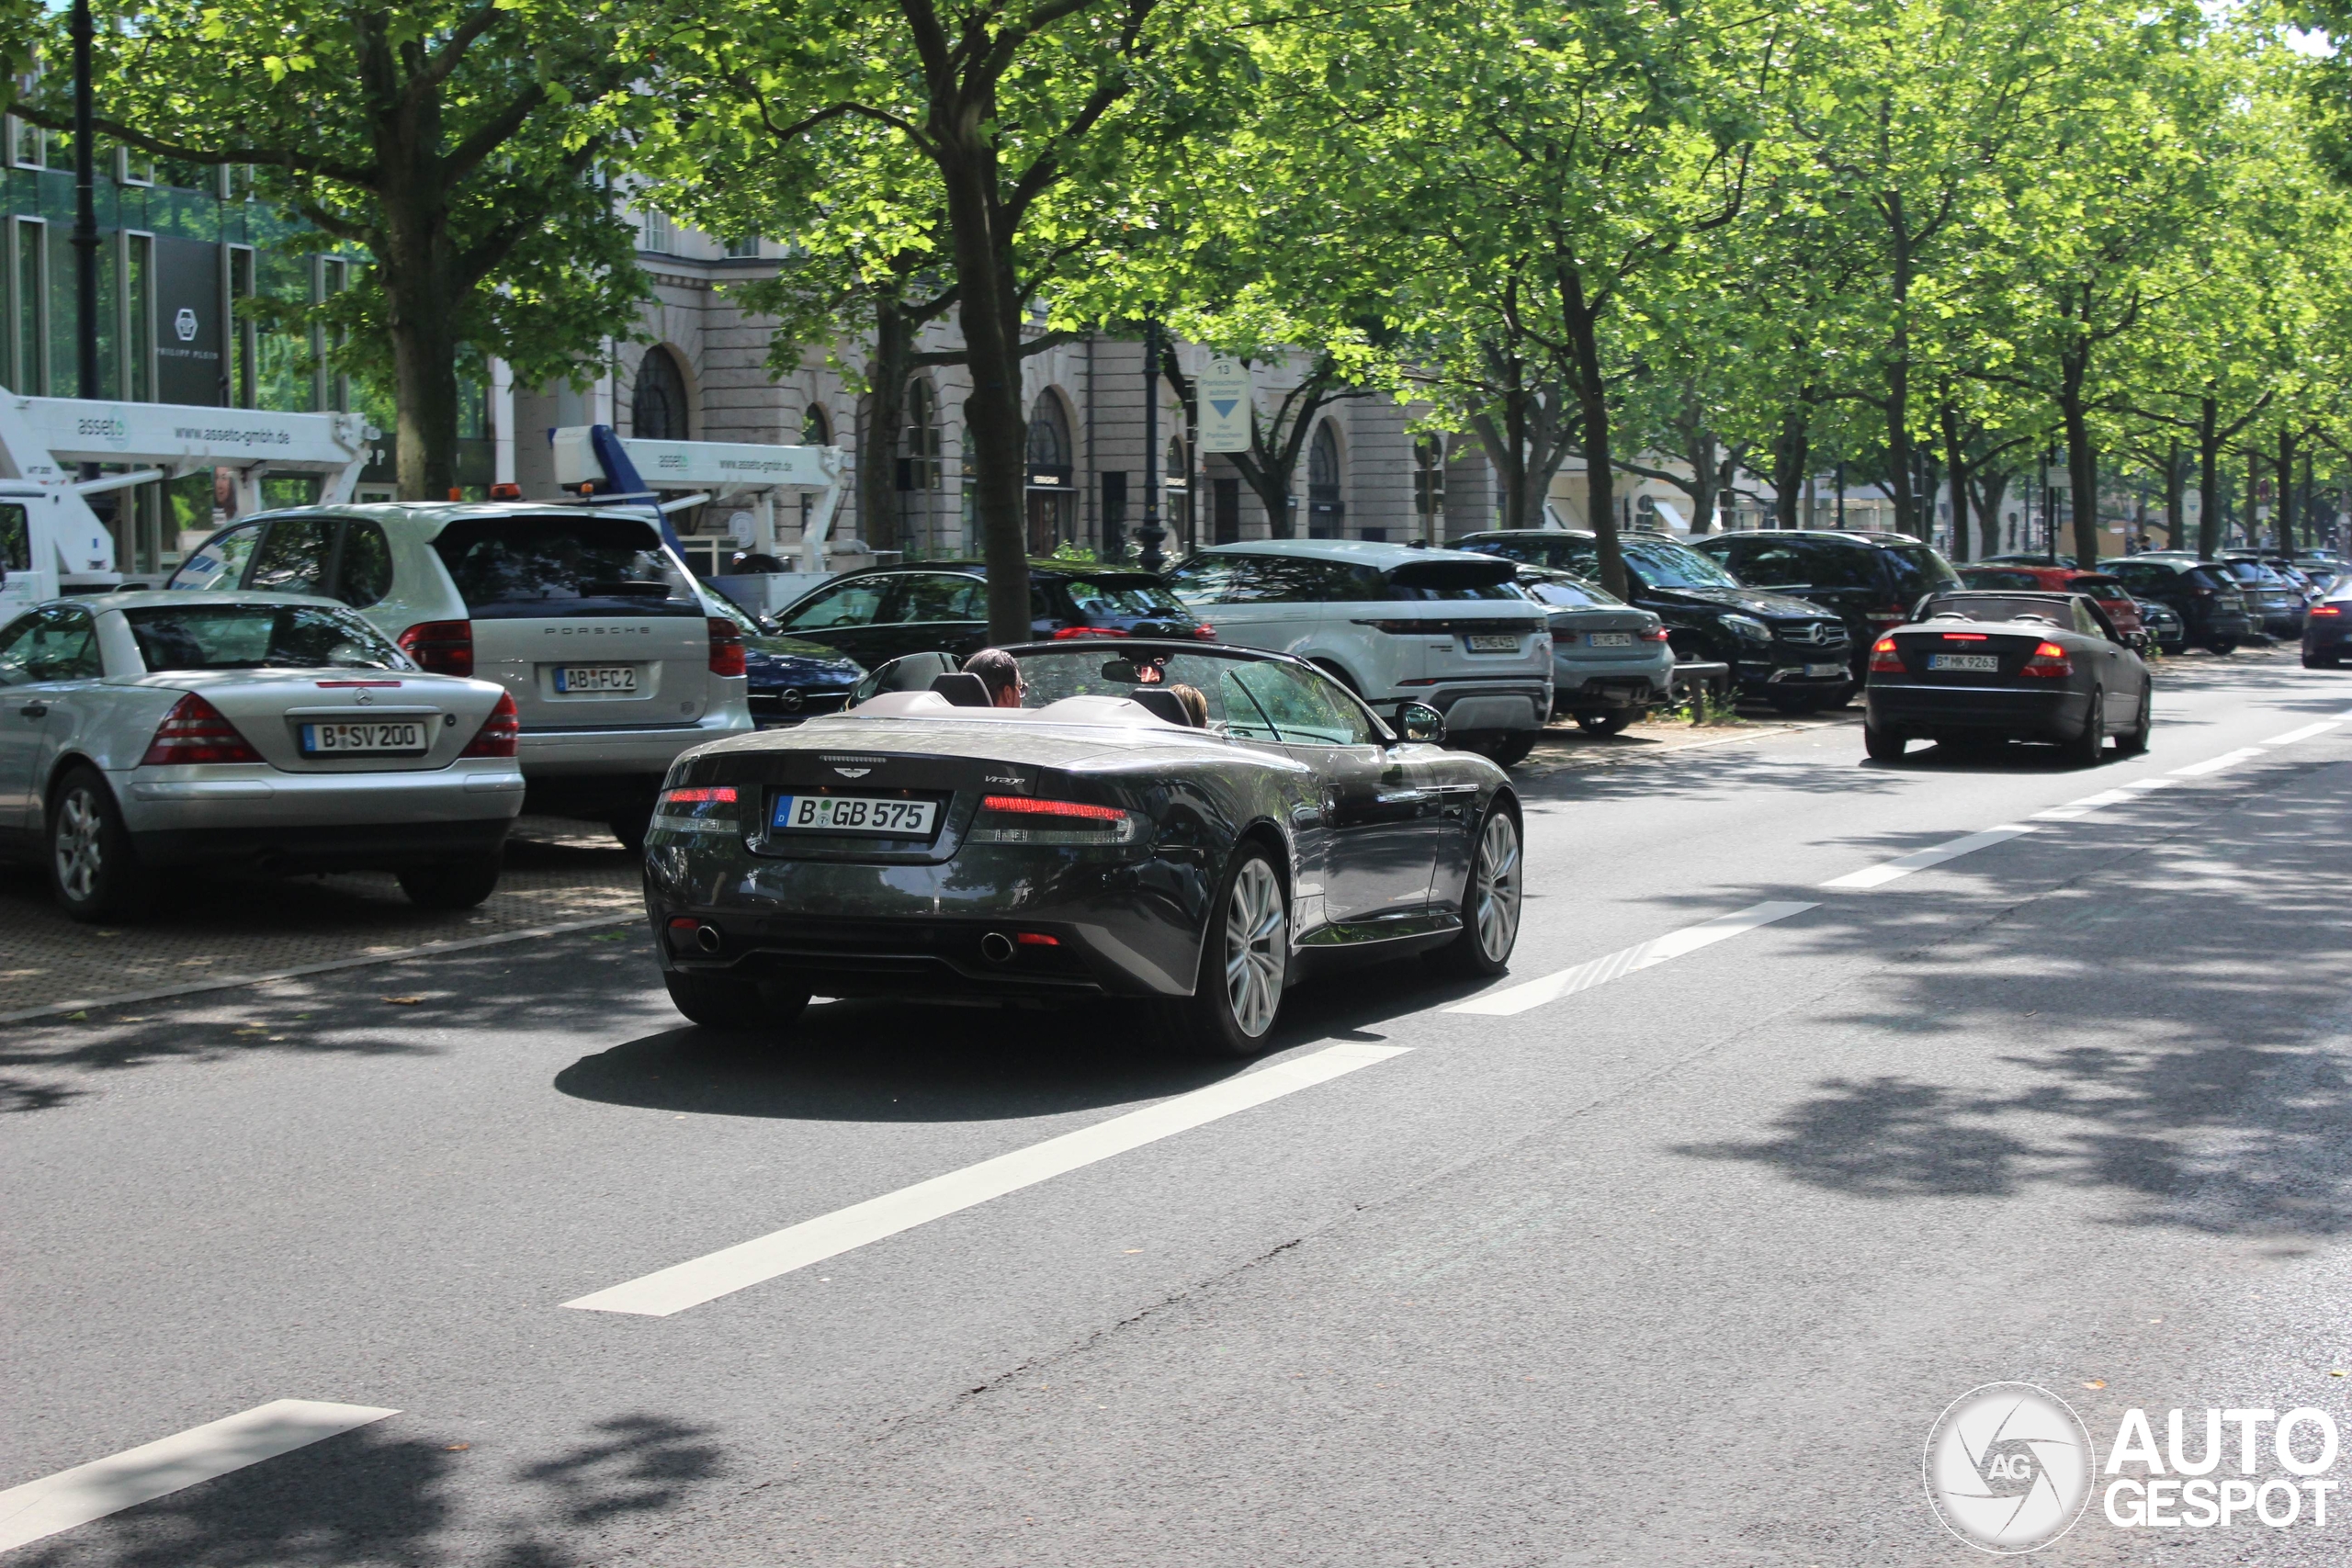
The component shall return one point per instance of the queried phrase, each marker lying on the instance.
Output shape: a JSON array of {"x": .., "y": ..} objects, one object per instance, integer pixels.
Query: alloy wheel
[
  {"x": 1496, "y": 908},
  {"x": 79, "y": 852},
  {"x": 1256, "y": 944}
]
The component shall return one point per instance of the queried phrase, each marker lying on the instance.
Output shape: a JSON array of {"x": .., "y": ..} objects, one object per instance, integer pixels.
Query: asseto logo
[{"x": 2008, "y": 1467}]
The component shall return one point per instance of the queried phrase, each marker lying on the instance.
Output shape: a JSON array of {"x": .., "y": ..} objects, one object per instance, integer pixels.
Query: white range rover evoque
[{"x": 141, "y": 733}]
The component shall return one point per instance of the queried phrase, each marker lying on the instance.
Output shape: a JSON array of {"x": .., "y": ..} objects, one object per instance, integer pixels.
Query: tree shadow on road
[
  {"x": 2199, "y": 1069},
  {"x": 391, "y": 1494}
]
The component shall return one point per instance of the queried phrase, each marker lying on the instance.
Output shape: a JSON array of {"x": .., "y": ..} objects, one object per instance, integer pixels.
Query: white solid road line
[
  {"x": 2305, "y": 733},
  {"x": 1640, "y": 955},
  {"x": 92, "y": 1491},
  {"x": 1920, "y": 860},
  {"x": 720, "y": 1273},
  {"x": 2215, "y": 764}
]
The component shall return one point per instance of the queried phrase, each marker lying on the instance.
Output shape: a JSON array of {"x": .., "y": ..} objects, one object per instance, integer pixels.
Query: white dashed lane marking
[
  {"x": 87, "y": 1492},
  {"x": 700, "y": 1279},
  {"x": 1920, "y": 860},
  {"x": 1640, "y": 955}
]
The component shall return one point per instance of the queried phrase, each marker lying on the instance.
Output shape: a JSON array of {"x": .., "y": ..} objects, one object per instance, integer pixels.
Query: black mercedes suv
[
  {"x": 1794, "y": 655},
  {"x": 1869, "y": 579}
]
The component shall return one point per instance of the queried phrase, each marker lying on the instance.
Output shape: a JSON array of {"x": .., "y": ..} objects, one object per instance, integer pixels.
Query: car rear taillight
[
  {"x": 2049, "y": 660},
  {"x": 1206, "y": 633},
  {"x": 1066, "y": 633},
  {"x": 1888, "y": 612},
  {"x": 196, "y": 732},
  {"x": 702, "y": 794},
  {"x": 726, "y": 646},
  {"x": 1884, "y": 660},
  {"x": 2326, "y": 610},
  {"x": 1655, "y": 634},
  {"x": 445, "y": 648},
  {"x": 499, "y": 732},
  {"x": 1027, "y": 820}
]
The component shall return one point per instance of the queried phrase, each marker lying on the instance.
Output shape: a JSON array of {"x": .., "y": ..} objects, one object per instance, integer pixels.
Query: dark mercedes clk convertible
[
  {"x": 1191, "y": 826},
  {"x": 1996, "y": 666}
]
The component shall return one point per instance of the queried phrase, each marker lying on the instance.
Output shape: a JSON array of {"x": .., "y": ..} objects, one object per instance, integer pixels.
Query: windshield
[
  {"x": 253, "y": 636},
  {"x": 567, "y": 564},
  {"x": 1124, "y": 596},
  {"x": 1997, "y": 607},
  {"x": 1247, "y": 698},
  {"x": 1664, "y": 564}
]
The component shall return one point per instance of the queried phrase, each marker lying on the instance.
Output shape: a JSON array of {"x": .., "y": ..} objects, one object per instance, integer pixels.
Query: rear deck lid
[{"x": 585, "y": 617}]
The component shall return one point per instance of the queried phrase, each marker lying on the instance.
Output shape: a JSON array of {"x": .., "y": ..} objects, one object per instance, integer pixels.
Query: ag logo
[
  {"x": 183, "y": 324},
  {"x": 2008, "y": 1468}
]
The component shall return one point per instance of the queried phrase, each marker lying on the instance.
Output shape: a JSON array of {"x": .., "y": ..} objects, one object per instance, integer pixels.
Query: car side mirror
[{"x": 1419, "y": 721}]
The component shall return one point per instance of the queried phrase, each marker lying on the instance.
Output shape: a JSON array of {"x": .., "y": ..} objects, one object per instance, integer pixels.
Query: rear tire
[
  {"x": 739, "y": 1006},
  {"x": 1612, "y": 722},
  {"x": 2133, "y": 742},
  {"x": 459, "y": 885},
  {"x": 94, "y": 871},
  {"x": 1245, "y": 961},
  {"x": 2319, "y": 662},
  {"x": 1883, "y": 745},
  {"x": 631, "y": 821},
  {"x": 2222, "y": 648},
  {"x": 1490, "y": 902},
  {"x": 2089, "y": 749}
]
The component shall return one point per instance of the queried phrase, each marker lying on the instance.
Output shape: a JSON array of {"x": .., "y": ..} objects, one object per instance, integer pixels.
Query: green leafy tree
[{"x": 458, "y": 141}]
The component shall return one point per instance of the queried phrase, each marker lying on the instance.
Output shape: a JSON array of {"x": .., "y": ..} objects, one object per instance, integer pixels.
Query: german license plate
[
  {"x": 595, "y": 677},
  {"x": 1491, "y": 642},
  {"x": 1825, "y": 670},
  {"x": 374, "y": 739},
  {"x": 1983, "y": 664},
  {"x": 1609, "y": 639},
  {"x": 855, "y": 814}
]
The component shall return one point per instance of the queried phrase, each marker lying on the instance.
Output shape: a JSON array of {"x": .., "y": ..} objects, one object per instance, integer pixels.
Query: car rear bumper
[
  {"x": 592, "y": 754},
  {"x": 262, "y": 799},
  {"x": 1924, "y": 709},
  {"x": 1613, "y": 682},
  {"x": 383, "y": 846},
  {"x": 1516, "y": 703}
]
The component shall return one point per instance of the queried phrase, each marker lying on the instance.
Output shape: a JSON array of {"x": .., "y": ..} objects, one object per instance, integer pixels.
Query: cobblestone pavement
[{"x": 558, "y": 873}]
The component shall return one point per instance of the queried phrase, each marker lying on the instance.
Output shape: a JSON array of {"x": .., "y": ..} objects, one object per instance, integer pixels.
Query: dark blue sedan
[{"x": 789, "y": 680}]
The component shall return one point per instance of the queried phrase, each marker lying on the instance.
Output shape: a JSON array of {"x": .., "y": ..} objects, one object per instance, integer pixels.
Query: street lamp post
[{"x": 1151, "y": 533}]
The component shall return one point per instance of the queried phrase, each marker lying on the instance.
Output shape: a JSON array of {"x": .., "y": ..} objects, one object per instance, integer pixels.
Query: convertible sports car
[
  {"x": 2009, "y": 665},
  {"x": 1193, "y": 827}
]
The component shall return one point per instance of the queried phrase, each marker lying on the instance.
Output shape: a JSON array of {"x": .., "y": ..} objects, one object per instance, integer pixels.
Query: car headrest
[
  {"x": 1162, "y": 702},
  {"x": 964, "y": 689}
]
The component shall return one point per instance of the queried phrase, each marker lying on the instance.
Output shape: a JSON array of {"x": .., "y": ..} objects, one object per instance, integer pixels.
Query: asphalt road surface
[{"x": 1668, "y": 1248}]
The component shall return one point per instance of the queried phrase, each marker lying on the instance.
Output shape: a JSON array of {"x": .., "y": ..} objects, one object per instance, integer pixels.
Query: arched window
[
  {"x": 1049, "y": 443},
  {"x": 657, "y": 408},
  {"x": 1053, "y": 502},
  {"x": 1325, "y": 512},
  {"x": 816, "y": 430}
]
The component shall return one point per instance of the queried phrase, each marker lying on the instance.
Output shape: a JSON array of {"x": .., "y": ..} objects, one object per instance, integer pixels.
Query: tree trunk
[
  {"x": 1525, "y": 447},
  {"x": 1956, "y": 466},
  {"x": 2082, "y": 461},
  {"x": 2175, "y": 501},
  {"x": 1990, "y": 486},
  {"x": 1592, "y": 421},
  {"x": 886, "y": 371},
  {"x": 990, "y": 315},
  {"x": 1792, "y": 452},
  {"x": 2286, "y": 522},
  {"x": 2209, "y": 478},
  {"x": 425, "y": 382},
  {"x": 1898, "y": 370}
]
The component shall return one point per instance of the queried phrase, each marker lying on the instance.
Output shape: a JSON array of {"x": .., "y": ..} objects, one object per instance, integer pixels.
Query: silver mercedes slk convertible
[{"x": 1191, "y": 827}]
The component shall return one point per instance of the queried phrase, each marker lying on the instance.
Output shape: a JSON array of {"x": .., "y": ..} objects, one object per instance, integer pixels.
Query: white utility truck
[
  {"x": 52, "y": 542},
  {"x": 629, "y": 468}
]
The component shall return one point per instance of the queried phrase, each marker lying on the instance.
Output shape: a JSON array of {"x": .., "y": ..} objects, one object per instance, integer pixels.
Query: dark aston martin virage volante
[{"x": 1193, "y": 827}]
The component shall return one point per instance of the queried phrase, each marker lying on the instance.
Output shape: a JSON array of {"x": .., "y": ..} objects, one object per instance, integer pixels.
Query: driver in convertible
[{"x": 1000, "y": 673}]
